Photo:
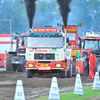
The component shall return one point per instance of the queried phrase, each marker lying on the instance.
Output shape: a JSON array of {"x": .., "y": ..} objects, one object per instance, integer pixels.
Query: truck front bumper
[{"x": 54, "y": 65}]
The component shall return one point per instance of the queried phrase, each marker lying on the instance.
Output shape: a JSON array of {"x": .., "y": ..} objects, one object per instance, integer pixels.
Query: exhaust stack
[
  {"x": 30, "y": 30},
  {"x": 30, "y": 9},
  {"x": 64, "y": 7}
]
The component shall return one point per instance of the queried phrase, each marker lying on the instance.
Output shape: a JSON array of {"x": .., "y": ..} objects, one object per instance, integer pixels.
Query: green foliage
[
  {"x": 69, "y": 95},
  {"x": 15, "y": 11},
  {"x": 19, "y": 17},
  {"x": 86, "y": 12},
  {"x": 88, "y": 93},
  {"x": 47, "y": 12},
  {"x": 12, "y": 9}
]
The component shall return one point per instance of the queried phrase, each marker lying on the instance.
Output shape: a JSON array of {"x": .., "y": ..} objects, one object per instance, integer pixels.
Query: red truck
[
  {"x": 46, "y": 52},
  {"x": 75, "y": 44},
  {"x": 91, "y": 42},
  {"x": 6, "y": 43}
]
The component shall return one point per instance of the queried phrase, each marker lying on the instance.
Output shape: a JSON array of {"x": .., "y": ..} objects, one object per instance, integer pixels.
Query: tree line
[{"x": 47, "y": 12}]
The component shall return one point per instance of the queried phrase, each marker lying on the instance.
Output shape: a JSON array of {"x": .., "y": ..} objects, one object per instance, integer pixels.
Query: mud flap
[
  {"x": 85, "y": 68},
  {"x": 63, "y": 74},
  {"x": 29, "y": 74}
]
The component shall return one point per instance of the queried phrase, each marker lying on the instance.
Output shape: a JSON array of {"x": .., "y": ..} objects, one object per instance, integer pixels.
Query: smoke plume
[
  {"x": 30, "y": 8},
  {"x": 64, "y": 10}
]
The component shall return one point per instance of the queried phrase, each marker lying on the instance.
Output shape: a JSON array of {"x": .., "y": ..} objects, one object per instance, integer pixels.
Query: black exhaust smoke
[
  {"x": 64, "y": 10},
  {"x": 30, "y": 8}
]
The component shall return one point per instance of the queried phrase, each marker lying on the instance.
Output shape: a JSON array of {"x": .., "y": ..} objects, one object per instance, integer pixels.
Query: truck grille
[{"x": 44, "y": 56}]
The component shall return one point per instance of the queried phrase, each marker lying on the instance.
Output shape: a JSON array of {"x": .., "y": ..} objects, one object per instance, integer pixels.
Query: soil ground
[{"x": 34, "y": 87}]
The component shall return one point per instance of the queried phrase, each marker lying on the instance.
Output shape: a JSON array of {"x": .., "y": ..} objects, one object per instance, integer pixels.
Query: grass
[{"x": 88, "y": 93}]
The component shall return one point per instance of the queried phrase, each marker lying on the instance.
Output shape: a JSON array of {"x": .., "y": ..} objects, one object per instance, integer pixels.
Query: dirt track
[{"x": 33, "y": 87}]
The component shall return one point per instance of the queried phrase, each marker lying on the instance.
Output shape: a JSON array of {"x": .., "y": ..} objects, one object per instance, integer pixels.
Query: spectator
[{"x": 91, "y": 58}]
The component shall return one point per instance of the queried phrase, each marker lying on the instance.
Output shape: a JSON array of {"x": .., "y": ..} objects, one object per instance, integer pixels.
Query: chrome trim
[
  {"x": 57, "y": 68},
  {"x": 31, "y": 68}
]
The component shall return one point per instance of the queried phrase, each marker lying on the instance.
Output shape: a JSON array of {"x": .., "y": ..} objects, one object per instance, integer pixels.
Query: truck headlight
[
  {"x": 30, "y": 65},
  {"x": 58, "y": 65}
]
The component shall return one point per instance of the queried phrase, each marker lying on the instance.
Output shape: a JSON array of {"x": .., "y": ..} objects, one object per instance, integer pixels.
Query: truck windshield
[
  {"x": 88, "y": 44},
  {"x": 71, "y": 36},
  {"x": 45, "y": 42}
]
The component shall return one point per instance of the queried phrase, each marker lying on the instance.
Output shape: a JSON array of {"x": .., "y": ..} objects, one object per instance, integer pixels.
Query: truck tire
[
  {"x": 73, "y": 67},
  {"x": 63, "y": 74},
  {"x": 69, "y": 73},
  {"x": 9, "y": 66},
  {"x": 14, "y": 68},
  {"x": 21, "y": 68},
  {"x": 85, "y": 68},
  {"x": 29, "y": 74}
]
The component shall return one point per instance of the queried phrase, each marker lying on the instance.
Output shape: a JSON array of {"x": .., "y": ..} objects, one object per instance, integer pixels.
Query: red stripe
[
  {"x": 9, "y": 42},
  {"x": 2, "y": 55},
  {"x": 2, "y": 61},
  {"x": 5, "y": 35},
  {"x": 15, "y": 42},
  {"x": 5, "y": 42}
]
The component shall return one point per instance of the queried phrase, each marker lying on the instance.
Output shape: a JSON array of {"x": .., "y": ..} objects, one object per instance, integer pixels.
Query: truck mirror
[
  {"x": 80, "y": 43},
  {"x": 0, "y": 59},
  {"x": 15, "y": 37},
  {"x": 22, "y": 42},
  {"x": 67, "y": 40}
]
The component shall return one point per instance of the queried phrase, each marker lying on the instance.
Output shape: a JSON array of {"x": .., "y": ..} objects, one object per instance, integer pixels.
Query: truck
[
  {"x": 46, "y": 52},
  {"x": 6, "y": 43},
  {"x": 4, "y": 40},
  {"x": 15, "y": 60},
  {"x": 75, "y": 45},
  {"x": 91, "y": 43}
]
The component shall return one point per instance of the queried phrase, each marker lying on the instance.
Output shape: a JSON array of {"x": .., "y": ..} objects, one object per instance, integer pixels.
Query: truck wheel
[
  {"x": 63, "y": 74},
  {"x": 29, "y": 74},
  {"x": 98, "y": 68},
  {"x": 85, "y": 68},
  {"x": 21, "y": 68},
  {"x": 14, "y": 68},
  {"x": 69, "y": 73},
  {"x": 9, "y": 66},
  {"x": 73, "y": 67}
]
